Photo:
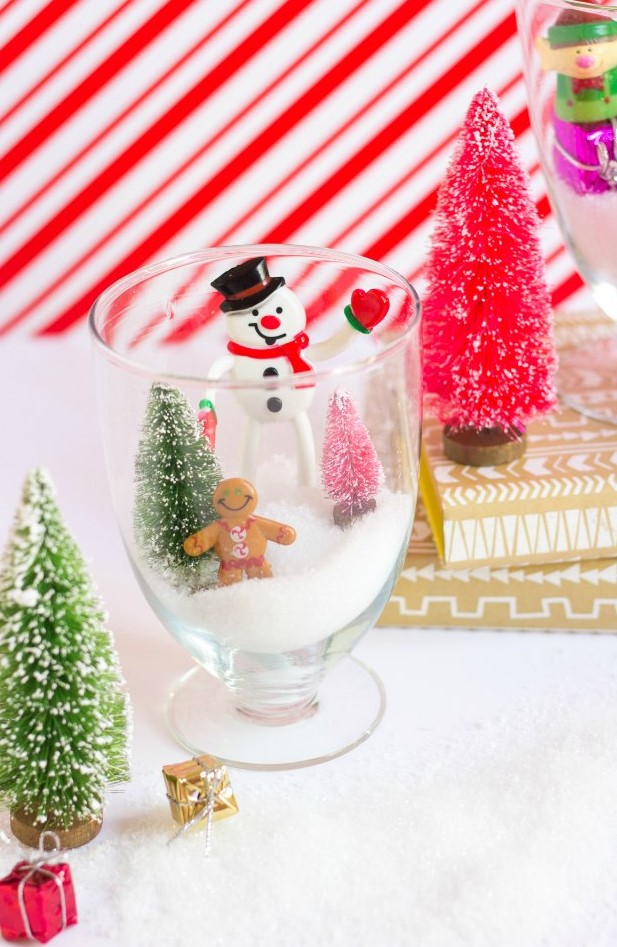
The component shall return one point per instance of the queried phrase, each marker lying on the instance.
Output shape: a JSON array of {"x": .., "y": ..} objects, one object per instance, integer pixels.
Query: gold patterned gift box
[
  {"x": 187, "y": 789},
  {"x": 558, "y": 501},
  {"x": 566, "y": 477},
  {"x": 569, "y": 596}
]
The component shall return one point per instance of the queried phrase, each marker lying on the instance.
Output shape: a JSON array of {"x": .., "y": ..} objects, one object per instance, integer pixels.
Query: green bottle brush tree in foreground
[
  {"x": 176, "y": 473},
  {"x": 64, "y": 715}
]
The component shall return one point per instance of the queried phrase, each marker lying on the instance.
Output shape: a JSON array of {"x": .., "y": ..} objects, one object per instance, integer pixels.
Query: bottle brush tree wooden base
[
  {"x": 484, "y": 447},
  {"x": 344, "y": 514},
  {"x": 28, "y": 832}
]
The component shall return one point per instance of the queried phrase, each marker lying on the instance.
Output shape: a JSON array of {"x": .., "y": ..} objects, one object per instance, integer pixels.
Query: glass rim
[
  {"x": 137, "y": 367},
  {"x": 584, "y": 5}
]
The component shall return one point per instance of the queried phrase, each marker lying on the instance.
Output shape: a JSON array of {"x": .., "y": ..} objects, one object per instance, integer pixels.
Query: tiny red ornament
[{"x": 37, "y": 901}]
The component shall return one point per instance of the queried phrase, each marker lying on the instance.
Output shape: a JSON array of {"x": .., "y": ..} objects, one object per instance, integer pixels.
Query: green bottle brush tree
[
  {"x": 176, "y": 473},
  {"x": 64, "y": 715}
]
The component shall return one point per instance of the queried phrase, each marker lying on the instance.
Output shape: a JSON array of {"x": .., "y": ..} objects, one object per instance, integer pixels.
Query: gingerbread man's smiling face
[{"x": 234, "y": 498}]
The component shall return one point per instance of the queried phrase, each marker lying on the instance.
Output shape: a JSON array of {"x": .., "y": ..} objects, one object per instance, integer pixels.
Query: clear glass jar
[{"x": 265, "y": 366}]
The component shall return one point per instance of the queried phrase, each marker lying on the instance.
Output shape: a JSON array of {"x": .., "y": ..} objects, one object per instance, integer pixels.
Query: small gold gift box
[{"x": 188, "y": 788}]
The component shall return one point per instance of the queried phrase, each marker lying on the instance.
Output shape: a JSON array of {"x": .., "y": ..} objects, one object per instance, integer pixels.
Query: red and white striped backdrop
[{"x": 133, "y": 130}]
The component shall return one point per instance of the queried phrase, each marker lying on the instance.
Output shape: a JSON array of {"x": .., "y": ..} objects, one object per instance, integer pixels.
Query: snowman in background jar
[{"x": 266, "y": 325}]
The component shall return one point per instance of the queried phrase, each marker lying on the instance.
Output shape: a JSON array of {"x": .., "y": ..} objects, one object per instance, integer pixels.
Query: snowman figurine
[{"x": 265, "y": 322}]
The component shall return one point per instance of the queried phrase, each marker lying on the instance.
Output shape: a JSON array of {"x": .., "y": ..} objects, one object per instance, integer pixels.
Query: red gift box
[{"x": 37, "y": 901}]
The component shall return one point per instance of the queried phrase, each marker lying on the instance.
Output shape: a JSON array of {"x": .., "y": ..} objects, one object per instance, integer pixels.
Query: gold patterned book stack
[
  {"x": 530, "y": 544},
  {"x": 556, "y": 502},
  {"x": 564, "y": 596}
]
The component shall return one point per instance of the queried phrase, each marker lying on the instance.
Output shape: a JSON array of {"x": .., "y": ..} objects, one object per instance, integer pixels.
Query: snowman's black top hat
[{"x": 246, "y": 284}]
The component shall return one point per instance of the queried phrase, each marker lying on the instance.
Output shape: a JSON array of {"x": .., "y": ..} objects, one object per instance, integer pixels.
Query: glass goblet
[
  {"x": 570, "y": 67},
  {"x": 264, "y": 482}
]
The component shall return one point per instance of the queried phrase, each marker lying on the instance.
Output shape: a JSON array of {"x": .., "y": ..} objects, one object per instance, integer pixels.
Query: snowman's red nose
[{"x": 270, "y": 322}]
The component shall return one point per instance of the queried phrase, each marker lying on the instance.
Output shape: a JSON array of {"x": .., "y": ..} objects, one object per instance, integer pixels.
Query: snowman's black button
[
  {"x": 270, "y": 371},
  {"x": 274, "y": 405}
]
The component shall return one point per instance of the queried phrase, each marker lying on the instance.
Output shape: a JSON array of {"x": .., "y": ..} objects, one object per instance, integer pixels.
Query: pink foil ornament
[{"x": 584, "y": 155}]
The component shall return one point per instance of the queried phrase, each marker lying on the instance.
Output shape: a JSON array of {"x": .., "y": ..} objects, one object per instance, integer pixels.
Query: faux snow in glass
[
  {"x": 261, "y": 414},
  {"x": 570, "y": 63}
]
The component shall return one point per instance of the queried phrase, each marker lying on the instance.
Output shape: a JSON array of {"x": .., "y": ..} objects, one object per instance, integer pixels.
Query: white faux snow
[
  {"x": 321, "y": 582},
  {"x": 497, "y": 831}
]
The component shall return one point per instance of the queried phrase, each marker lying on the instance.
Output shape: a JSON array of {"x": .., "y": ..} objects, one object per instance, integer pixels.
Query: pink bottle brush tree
[
  {"x": 489, "y": 354},
  {"x": 351, "y": 471}
]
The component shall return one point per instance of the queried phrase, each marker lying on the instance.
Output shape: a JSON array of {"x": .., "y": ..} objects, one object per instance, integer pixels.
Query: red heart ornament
[{"x": 369, "y": 307}]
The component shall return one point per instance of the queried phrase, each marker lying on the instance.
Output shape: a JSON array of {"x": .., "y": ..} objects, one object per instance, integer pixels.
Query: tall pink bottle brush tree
[{"x": 489, "y": 354}]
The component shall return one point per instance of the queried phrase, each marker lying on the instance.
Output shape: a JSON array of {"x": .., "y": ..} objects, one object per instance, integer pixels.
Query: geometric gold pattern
[
  {"x": 568, "y": 596},
  {"x": 504, "y": 531},
  {"x": 557, "y": 502}
]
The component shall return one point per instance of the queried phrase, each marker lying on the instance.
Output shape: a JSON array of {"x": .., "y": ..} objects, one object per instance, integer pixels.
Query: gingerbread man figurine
[{"x": 239, "y": 538}]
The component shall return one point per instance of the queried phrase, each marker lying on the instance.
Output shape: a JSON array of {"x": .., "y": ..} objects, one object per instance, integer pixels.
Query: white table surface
[{"x": 481, "y": 812}]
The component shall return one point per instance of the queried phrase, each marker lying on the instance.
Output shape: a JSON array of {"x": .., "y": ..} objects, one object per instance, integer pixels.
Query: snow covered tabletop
[{"x": 480, "y": 813}]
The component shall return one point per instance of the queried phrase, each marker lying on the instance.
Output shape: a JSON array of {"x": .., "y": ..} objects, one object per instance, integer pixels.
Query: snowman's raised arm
[
  {"x": 318, "y": 351},
  {"x": 365, "y": 311}
]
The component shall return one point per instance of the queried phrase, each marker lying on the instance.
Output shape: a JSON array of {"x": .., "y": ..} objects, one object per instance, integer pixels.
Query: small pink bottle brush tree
[
  {"x": 351, "y": 471},
  {"x": 487, "y": 331}
]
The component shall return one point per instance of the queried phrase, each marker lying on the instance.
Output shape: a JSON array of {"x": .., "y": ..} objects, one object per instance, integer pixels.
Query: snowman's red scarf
[{"x": 289, "y": 350}]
